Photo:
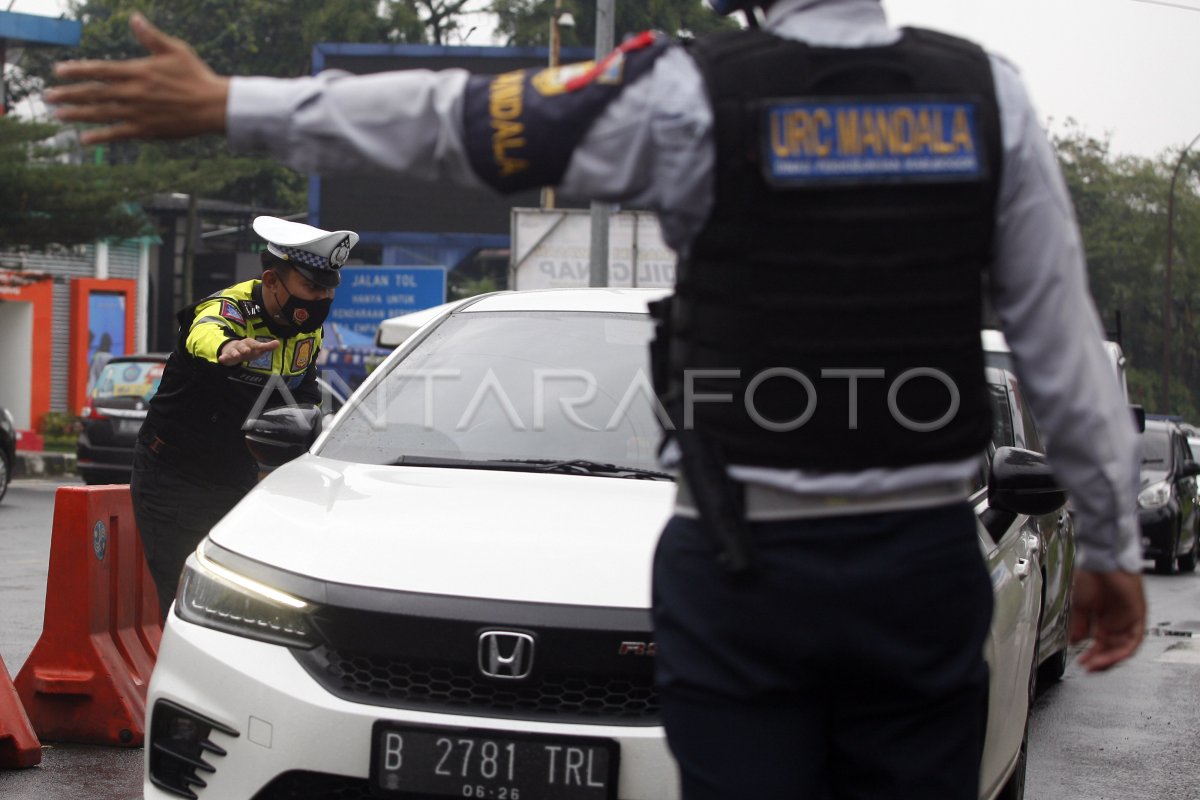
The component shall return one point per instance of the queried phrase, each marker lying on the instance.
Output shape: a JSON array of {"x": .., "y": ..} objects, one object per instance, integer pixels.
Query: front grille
[
  {"x": 625, "y": 699},
  {"x": 314, "y": 786}
]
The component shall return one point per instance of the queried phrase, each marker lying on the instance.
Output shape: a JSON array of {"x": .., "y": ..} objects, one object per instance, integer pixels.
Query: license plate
[
  {"x": 408, "y": 760},
  {"x": 129, "y": 427}
]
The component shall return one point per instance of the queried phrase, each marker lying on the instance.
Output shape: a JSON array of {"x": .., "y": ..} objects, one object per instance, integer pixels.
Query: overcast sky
[{"x": 1128, "y": 69}]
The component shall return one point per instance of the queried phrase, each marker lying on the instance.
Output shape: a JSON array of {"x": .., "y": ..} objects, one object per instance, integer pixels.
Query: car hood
[{"x": 532, "y": 537}]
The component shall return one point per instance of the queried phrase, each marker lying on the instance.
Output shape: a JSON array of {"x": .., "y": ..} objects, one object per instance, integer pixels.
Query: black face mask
[{"x": 304, "y": 315}]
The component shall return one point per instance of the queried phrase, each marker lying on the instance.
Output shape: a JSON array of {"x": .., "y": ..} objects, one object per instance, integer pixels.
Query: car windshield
[
  {"x": 120, "y": 379},
  {"x": 563, "y": 391},
  {"x": 1156, "y": 449}
]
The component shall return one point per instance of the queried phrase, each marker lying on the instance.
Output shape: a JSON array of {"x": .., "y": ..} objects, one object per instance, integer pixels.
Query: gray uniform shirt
[{"x": 653, "y": 147}]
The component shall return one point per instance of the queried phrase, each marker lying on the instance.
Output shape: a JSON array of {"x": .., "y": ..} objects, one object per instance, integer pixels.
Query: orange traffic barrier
[
  {"x": 85, "y": 680},
  {"x": 19, "y": 746}
]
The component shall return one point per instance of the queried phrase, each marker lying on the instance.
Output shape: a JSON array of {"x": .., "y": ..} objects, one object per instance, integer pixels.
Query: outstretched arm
[
  {"x": 1039, "y": 289},
  {"x": 170, "y": 94}
]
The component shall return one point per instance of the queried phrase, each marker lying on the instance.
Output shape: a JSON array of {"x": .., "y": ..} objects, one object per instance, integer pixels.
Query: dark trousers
[
  {"x": 850, "y": 666},
  {"x": 174, "y": 511}
]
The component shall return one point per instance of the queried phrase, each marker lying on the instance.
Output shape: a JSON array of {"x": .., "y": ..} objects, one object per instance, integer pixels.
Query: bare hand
[
  {"x": 1110, "y": 608},
  {"x": 170, "y": 94},
  {"x": 241, "y": 350}
]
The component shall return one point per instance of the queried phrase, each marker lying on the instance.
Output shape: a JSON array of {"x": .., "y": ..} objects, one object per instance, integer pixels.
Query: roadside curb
[{"x": 41, "y": 464}]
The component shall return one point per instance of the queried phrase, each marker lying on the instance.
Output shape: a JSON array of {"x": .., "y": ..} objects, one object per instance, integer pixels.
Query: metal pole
[
  {"x": 555, "y": 51},
  {"x": 633, "y": 252},
  {"x": 598, "y": 272},
  {"x": 1166, "y": 312}
]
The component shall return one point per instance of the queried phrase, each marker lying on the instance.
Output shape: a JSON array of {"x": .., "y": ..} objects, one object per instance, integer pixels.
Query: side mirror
[
  {"x": 278, "y": 435},
  {"x": 1139, "y": 417},
  {"x": 1022, "y": 483},
  {"x": 1190, "y": 469}
]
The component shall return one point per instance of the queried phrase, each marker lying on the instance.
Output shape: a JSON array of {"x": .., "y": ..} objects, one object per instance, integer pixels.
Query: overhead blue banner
[
  {"x": 369, "y": 295},
  {"x": 814, "y": 141}
]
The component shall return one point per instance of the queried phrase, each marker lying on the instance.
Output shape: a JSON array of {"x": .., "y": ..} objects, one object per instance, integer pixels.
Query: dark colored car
[
  {"x": 8, "y": 449},
  {"x": 1013, "y": 426},
  {"x": 1167, "y": 501},
  {"x": 116, "y": 406},
  {"x": 112, "y": 416}
]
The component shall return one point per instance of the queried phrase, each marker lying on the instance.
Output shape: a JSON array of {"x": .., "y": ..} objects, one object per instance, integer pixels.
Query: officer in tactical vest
[
  {"x": 843, "y": 197},
  {"x": 243, "y": 349}
]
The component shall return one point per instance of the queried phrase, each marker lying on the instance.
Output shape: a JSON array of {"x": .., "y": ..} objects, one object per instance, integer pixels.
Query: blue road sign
[{"x": 369, "y": 295}]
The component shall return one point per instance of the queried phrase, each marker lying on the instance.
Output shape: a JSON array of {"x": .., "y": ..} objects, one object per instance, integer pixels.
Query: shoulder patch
[
  {"x": 609, "y": 72},
  {"x": 230, "y": 310},
  {"x": 521, "y": 127},
  {"x": 814, "y": 141}
]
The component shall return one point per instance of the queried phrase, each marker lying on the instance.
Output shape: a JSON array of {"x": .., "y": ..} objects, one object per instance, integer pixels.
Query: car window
[
  {"x": 1001, "y": 360},
  {"x": 1156, "y": 449},
  {"x": 333, "y": 393},
  {"x": 1025, "y": 433},
  {"x": 512, "y": 386},
  {"x": 1002, "y": 428},
  {"x": 1180, "y": 448},
  {"x": 1033, "y": 440},
  {"x": 128, "y": 379}
]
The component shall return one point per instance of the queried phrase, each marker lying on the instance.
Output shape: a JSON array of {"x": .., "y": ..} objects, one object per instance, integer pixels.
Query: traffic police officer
[
  {"x": 245, "y": 348},
  {"x": 836, "y": 190}
]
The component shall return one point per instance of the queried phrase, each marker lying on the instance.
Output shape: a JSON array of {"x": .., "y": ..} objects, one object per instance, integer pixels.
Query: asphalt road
[
  {"x": 67, "y": 772},
  {"x": 1132, "y": 733},
  {"x": 1129, "y": 734}
]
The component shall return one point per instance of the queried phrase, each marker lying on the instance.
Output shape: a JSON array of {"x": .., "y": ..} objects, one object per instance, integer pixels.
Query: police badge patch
[
  {"x": 302, "y": 355},
  {"x": 340, "y": 253}
]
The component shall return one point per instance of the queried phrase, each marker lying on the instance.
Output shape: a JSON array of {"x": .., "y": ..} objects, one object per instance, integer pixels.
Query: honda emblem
[{"x": 507, "y": 655}]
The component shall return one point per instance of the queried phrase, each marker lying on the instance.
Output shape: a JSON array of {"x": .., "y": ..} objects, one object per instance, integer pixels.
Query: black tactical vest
[{"x": 828, "y": 316}]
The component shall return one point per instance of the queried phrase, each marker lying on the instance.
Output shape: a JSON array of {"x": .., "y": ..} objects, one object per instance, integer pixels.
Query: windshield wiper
[
  {"x": 582, "y": 466},
  {"x": 577, "y": 466}
]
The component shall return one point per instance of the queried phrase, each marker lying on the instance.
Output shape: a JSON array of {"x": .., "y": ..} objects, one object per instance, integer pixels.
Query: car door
[
  {"x": 1016, "y": 587},
  {"x": 1011, "y": 553},
  {"x": 1056, "y": 533},
  {"x": 1186, "y": 485}
]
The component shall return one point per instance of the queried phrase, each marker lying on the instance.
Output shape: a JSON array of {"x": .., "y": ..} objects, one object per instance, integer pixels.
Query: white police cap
[{"x": 315, "y": 253}]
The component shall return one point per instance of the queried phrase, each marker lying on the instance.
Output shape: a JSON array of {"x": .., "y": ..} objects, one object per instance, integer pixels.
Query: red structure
[
  {"x": 19, "y": 746},
  {"x": 86, "y": 679}
]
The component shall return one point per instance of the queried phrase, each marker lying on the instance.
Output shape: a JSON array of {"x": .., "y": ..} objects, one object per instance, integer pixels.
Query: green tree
[
  {"x": 257, "y": 37},
  {"x": 431, "y": 21},
  {"x": 527, "y": 22},
  {"x": 1121, "y": 205},
  {"x": 44, "y": 201}
]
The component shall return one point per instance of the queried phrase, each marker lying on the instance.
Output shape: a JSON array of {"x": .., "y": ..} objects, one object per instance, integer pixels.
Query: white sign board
[{"x": 550, "y": 249}]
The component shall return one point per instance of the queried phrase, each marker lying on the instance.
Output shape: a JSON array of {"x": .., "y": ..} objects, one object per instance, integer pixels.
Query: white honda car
[{"x": 446, "y": 595}]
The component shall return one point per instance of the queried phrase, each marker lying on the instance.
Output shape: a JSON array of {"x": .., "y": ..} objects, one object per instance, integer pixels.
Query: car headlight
[
  {"x": 1155, "y": 495},
  {"x": 9, "y": 421},
  {"x": 217, "y": 597}
]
